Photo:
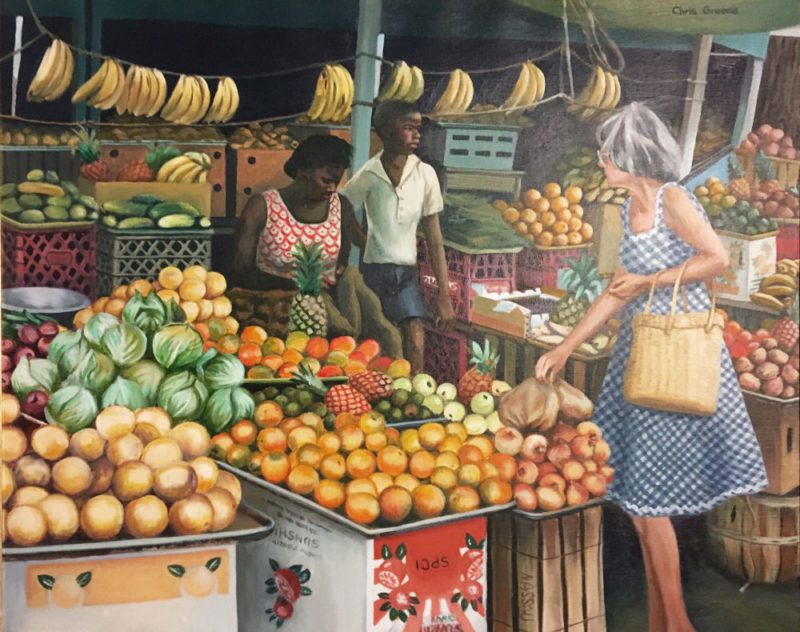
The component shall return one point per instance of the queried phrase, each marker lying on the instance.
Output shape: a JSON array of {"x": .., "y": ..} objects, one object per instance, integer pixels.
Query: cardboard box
[
  {"x": 751, "y": 259},
  {"x": 198, "y": 195},
  {"x": 515, "y": 315}
]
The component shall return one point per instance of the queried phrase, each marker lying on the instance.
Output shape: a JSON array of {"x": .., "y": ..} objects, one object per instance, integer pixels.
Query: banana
[
  {"x": 341, "y": 94},
  {"x": 107, "y": 88},
  {"x": 145, "y": 91},
  {"x": 406, "y": 79},
  {"x": 91, "y": 85},
  {"x": 184, "y": 115},
  {"x": 201, "y": 97},
  {"x": 351, "y": 88},
  {"x": 117, "y": 82},
  {"x": 767, "y": 301},
  {"x": 178, "y": 174},
  {"x": 617, "y": 91},
  {"x": 520, "y": 88},
  {"x": 41, "y": 77},
  {"x": 54, "y": 71},
  {"x": 469, "y": 93},
  {"x": 203, "y": 177},
  {"x": 417, "y": 84},
  {"x": 174, "y": 97},
  {"x": 585, "y": 95},
  {"x": 64, "y": 78},
  {"x": 161, "y": 92},
  {"x": 778, "y": 279},
  {"x": 189, "y": 175},
  {"x": 134, "y": 80},
  {"x": 123, "y": 105},
  {"x": 185, "y": 100},
  {"x": 608, "y": 96},
  {"x": 596, "y": 95},
  {"x": 321, "y": 95},
  {"x": 445, "y": 102},
  {"x": 169, "y": 167},
  {"x": 233, "y": 104},
  {"x": 541, "y": 83},
  {"x": 213, "y": 112},
  {"x": 528, "y": 97},
  {"x": 331, "y": 93},
  {"x": 394, "y": 87},
  {"x": 346, "y": 101},
  {"x": 200, "y": 158},
  {"x": 780, "y": 291}
]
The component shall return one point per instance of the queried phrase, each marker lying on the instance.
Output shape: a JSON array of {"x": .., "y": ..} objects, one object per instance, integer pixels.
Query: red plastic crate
[
  {"x": 495, "y": 271},
  {"x": 59, "y": 257},
  {"x": 445, "y": 354},
  {"x": 538, "y": 267},
  {"x": 788, "y": 240}
]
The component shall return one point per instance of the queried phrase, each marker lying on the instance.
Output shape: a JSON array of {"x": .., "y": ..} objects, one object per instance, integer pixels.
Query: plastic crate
[
  {"x": 57, "y": 257},
  {"x": 445, "y": 354},
  {"x": 471, "y": 146},
  {"x": 788, "y": 239},
  {"x": 494, "y": 271},
  {"x": 538, "y": 267},
  {"x": 124, "y": 256},
  {"x": 483, "y": 180}
]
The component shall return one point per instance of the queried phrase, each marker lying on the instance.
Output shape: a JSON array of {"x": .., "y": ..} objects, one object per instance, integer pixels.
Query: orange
[
  {"x": 392, "y": 436},
  {"x": 560, "y": 228},
  {"x": 372, "y": 422},
  {"x": 292, "y": 356},
  {"x": 329, "y": 494},
  {"x": 444, "y": 478},
  {"x": 220, "y": 444},
  {"x": 312, "y": 364},
  {"x": 500, "y": 205},
  {"x": 587, "y": 231},
  {"x": 192, "y": 290},
  {"x": 528, "y": 216},
  {"x": 564, "y": 215},
  {"x": 431, "y": 434},
  {"x": 170, "y": 277},
  {"x": 450, "y": 443},
  {"x": 521, "y": 228},
  {"x": 560, "y": 240},
  {"x": 231, "y": 324},
  {"x": 375, "y": 441},
  {"x": 210, "y": 344},
  {"x": 495, "y": 491},
  {"x": 409, "y": 440},
  {"x": 530, "y": 196},
  {"x": 392, "y": 460},
  {"x": 271, "y": 440},
  {"x": 362, "y": 486},
  {"x": 275, "y": 467},
  {"x": 574, "y": 238},
  {"x": 203, "y": 330},
  {"x": 354, "y": 368},
  {"x": 113, "y": 307},
  {"x": 244, "y": 432},
  {"x": 545, "y": 240},
  {"x": 268, "y": 414},
  {"x": 330, "y": 370},
  {"x": 362, "y": 508},
  {"x": 462, "y": 499},
  {"x": 422, "y": 464},
  {"x": 228, "y": 343},
  {"x": 409, "y": 481},
  {"x": 287, "y": 370},
  {"x": 343, "y": 343},
  {"x": 551, "y": 190},
  {"x": 469, "y": 474},
  {"x": 317, "y": 347},
  {"x": 381, "y": 481},
  {"x": 333, "y": 467},
  {"x": 488, "y": 470},
  {"x": 535, "y": 229},
  {"x": 255, "y": 334},
  {"x": 395, "y": 504},
  {"x": 547, "y": 219},
  {"x": 360, "y": 463},
  {"x": 273, "y": 346},
  {"x": 506, "y": 465},
  {"x": 312, "y": 420},
  {"x": 559, "y": 203},
  {"x": 290, "y": 423},
  {"x": 310, "y": 454},
  {"x": 457, "y": 429},
  {"x": 352, "y": 437},
  {"x": 344, "y": 419},
  {"x": 329, "y": 443},
  {"x": 429, "y": 501},
  {"x": 469, "y": 454},
  {"x": 573, "y": 194},
  {"x": 576, "y": 210},
  {"x": 449, "y": 460},
  {"x": 370, "y": 348},
  {"x": 517, "y": 204},
  {"x": 217, "y": 328},
  {"x": 575, "y": 224},
  {"x": 357, "y": 356},
  {"x": 300, "y": 436},
  {"x": 302, "y": 479},
  {"x": 511, "y": 215},
  {"x": 254, "y": 464},
  {"x": 542, "y": 205},
  {"x": 483, "y": 443}
]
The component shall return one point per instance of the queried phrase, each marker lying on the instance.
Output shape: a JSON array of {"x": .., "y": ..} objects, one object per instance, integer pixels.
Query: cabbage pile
[{"x": 150, "y": 357}]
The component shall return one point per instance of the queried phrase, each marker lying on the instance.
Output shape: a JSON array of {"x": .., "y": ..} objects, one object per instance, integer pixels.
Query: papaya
[
  {"x": 10, "y": 206},
  {"x": 78, "y": 212},
  {"x": 31, "y": 216},
  {"x": 177, "y": 220},
  {"x": 109, "y": 220},
  {"x": 35, "y": 175},
  {"x": 125, "y": 208},
  {"x": 9, "y": 189},
  {"x": 135, "y": 222},
  {"x": 30, "y": 200},
  {"x": 172, "y": 208},
  {"x": 64, "y": 201},
  {"x": 56, "y": 214},
  {"x": 42, "y": 188}
]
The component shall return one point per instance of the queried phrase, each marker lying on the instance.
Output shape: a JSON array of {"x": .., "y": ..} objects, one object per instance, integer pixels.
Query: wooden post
[
  {"x": 748, "y": 100},
  {"x": 369, "y": 21},
  {"x": 694, "y": 100}
]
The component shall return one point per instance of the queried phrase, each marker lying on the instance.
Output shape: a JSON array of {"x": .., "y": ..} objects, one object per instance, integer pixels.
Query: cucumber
[
  {"x": 177, "y": 220},
  {"x": 10, "y": 206},
  {"x": 35, "y": 175},
  {"x": 89, "y": 202},
  {"x": 56, "y": 213},
  {"x": 70, "y": 188},
  {"x": 93, "y": 216},
  {"x": 136, "y": 222},
  {"x": 146, "y": 199},
  {"x": 64, "y": 201},
  {"x": 30, "y": 200},
  {"x": 8, "y": 190},
  {"x": 109, "y": 220},
  {"x": 125, "y": 208},
  {"x": 31, "y": 216},
  {"x": 204, "y": 222},
  {"x": 78, "y": 212},
  {"x": 172, "y": 208},
  {"x": 51, "y": 177}
]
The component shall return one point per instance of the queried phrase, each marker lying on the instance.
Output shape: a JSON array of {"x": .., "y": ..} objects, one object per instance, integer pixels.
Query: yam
[
  {"x": 573, "y": 404},
  {"x": 533, "y": 405},
  {"x": 767, "y": 371}
]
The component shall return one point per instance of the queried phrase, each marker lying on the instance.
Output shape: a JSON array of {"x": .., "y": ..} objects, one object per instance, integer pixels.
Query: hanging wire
[
  {"x": 21, "y": 48},
  {"x": 156, "y": 123}
]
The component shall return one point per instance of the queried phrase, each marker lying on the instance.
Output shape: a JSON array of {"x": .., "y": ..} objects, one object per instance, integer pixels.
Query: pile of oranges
[
  {"x": 550, "y": 217},
  {"x": 269, "y": 357},
  {"x": 367, "y": 470}
]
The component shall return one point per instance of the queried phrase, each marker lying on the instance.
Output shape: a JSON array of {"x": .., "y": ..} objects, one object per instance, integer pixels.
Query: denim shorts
[{"x": 397, "y": 287}]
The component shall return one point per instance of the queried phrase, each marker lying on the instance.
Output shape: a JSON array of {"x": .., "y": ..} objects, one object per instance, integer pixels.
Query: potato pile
[
  {"x": 129, "y": 472},
  {"x": 268, "y": 309}
]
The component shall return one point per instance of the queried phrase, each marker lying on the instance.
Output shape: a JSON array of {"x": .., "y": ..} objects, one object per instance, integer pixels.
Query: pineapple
[
  {"x": 737, "y": 183},
  {"x": 88, "y": 150},
  {"x": 308, "y": 312},
  {"x": 787, "y": 331},
  {"x": 583, "y": 287},
  {"x": 373, "y": 385},
  {"x": 146, "y": 170},
  {"x": 340, "y": 398},
  {"x": 765, "y": 172},
  {"x": 478, "y": 378}
]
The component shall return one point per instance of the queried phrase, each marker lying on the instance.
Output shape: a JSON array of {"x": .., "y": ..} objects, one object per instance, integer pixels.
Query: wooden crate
[
  {"x": 252, "y": 171},
  {"x": 752, "y": 257},
  {"x": 503, "y": 183},
  {"x": 757, "y": 538},
  {"x": 777, "y": 426},
  {"x": 17, "y": 161},
  {"x": 198, "y": 194},
  {"x": 547, "y": 571},
  {"x": 787, "y": 172},
  {"x": 117, "y": 155}
]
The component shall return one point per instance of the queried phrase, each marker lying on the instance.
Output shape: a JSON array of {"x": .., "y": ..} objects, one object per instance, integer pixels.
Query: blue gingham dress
[{"x": 670, "y": 464}]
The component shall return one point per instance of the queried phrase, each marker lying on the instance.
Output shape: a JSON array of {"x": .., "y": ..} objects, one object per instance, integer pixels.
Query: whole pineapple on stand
[
  {"x": 88, "y": 151},
  {"x": 787, "y": 330},
  {"x": 738, "y": 185},
  {"x": 583, "y": 286},
  {"x": 765, "y": 172},
  {"x": 308, "y": 313},
  {"x": 479, "y": 377}
]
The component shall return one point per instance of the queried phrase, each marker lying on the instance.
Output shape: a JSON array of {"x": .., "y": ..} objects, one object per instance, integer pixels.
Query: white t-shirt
[{"x": 394, "y": 213}]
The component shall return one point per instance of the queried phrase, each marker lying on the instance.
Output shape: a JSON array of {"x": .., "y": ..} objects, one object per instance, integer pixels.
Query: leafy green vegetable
[
  {"x": 72, "y": 407},
  {"x": 95, "y": 371},
  {"x": 220, "y": 370},
  {"x": 148, "y": 375},
  {"x": 148, "y": 313},
  {"x": 35, "y": 374},
  {"x": 183, "y": 395},
  {"x": 124, "y": 344},
  {"x": 96, "y": 326},
  {"x": 177, "y": 346},
  {"x": 227, "y": 406},
  {"x": 125, "y": 393}
]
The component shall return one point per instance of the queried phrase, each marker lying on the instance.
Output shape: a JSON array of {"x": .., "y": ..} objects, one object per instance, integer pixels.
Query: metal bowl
[{"x": 57, "y": 303}]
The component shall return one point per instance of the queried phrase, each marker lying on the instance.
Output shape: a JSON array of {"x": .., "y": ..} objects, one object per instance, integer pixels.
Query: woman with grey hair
[{"x": 667, "y": 464}]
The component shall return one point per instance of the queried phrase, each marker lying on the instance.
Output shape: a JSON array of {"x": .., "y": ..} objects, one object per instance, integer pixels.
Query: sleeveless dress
[
  {"x": 670, "y": 464},
  {"x": 282, "y": 232}
]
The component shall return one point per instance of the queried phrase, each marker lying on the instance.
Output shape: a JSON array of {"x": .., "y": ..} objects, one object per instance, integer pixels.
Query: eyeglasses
[{"x": 602, "y": 156}]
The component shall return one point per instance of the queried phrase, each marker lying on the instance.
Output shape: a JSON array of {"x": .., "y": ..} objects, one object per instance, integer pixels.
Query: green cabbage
[
  {"x": 96, "y": 326},
  {"x": 124, "y": 344},
  {"x": 177, "y": 346},
  {"x": 183, "y": 395},
  {"x": 72, "y": 407},
  {"x": 62, "y": 343},
  {"x": 175, "y": 313},
  {"x": 227, "y": 406},
  {"x": 37, "y": 374},
  {"x": 125, "y": 393},
  {"x": 95, "y": 371},
  {"x": 220, "y": 370},
  {"x": 148, "y": 376},
  {"x": 148, "y": 313}
]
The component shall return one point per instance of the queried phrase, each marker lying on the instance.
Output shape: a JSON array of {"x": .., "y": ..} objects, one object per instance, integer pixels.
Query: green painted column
[{"x": 369, "y": 21}]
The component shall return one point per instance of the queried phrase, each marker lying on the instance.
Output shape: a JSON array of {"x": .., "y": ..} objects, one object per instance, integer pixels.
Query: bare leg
[
  {"x": 660, "y": 547},
  {"x": 414, "y": 343}
]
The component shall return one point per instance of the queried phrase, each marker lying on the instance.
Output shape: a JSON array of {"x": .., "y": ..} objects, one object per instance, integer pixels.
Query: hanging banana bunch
[
  {"x": 145, "y": 92},
  {"x": 54, "y": 74},
  {"x": 598, "y": 97},
  {"x": 528, "y": 89},
  {"x": 457, "y": 96},
  {"x": 406, "y": 83},
  {"x": 333, "y": 95}
]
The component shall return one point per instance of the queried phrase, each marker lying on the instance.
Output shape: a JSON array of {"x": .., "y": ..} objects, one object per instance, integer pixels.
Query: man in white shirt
[{"x": 398, "y": 191}]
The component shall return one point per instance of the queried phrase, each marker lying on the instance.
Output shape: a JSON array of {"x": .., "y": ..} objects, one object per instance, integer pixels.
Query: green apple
[
  {"x": 447, "y": 391},
  {"x": 434, "y": 403},
  {"x": 454, "y": 411},
  {"x": 493, "y": 422},
  {"x": 499, "y": 387},
  {"x": 402, "y": 384},
  {"x": 424, "y": 384},
  {"x": 482, "y": 403},
  {"x": 475, "y": 424}
]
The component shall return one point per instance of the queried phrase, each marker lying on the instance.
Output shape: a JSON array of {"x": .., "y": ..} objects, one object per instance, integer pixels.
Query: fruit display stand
[
  {"x": 445, "y": 353},
  {"x": 251, "y": 171},
  {"x": 787, "y": 172},
  {"x": 486, "y": 180},
  {"x": 124, "y": 256},
  {"x": 547, "y": 570},
  {"x": 167, "y": 583},
  {"x": 324, "y": 572},
  {"x": 777, "y": 426},
  {"x": 752, "y": 257},
  {"x": 538, "y": 267},
  {"x": 18, "y": 160},
  {"x": 788, "y": 239},
  {"x": 52, "y": 255},
  {"x": 196, "y": 194},
  {"x": 757, "y": 538},
  {"x": 119, "y": 153}
]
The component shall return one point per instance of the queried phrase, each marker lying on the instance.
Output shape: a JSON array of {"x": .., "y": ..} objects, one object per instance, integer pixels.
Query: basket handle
[
  {"x": 713, "y": 308},
  {"x": 652, "y": 291},
  {"x": 675, "y": 289}
]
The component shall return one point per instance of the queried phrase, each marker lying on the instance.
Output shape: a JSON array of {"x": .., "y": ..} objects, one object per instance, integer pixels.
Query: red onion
[
  {"x": 34, "y": 404},
  {"x": 43, "y": 346},
  {"x": 48, "y": 329},
  {"x": 8, "y": 365},
  {"x": 23, "y": 352},
  {"x": 8, "y": 346},
  {"x": 28, "y": 335},
  {"x": 6, "y": 381}
]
